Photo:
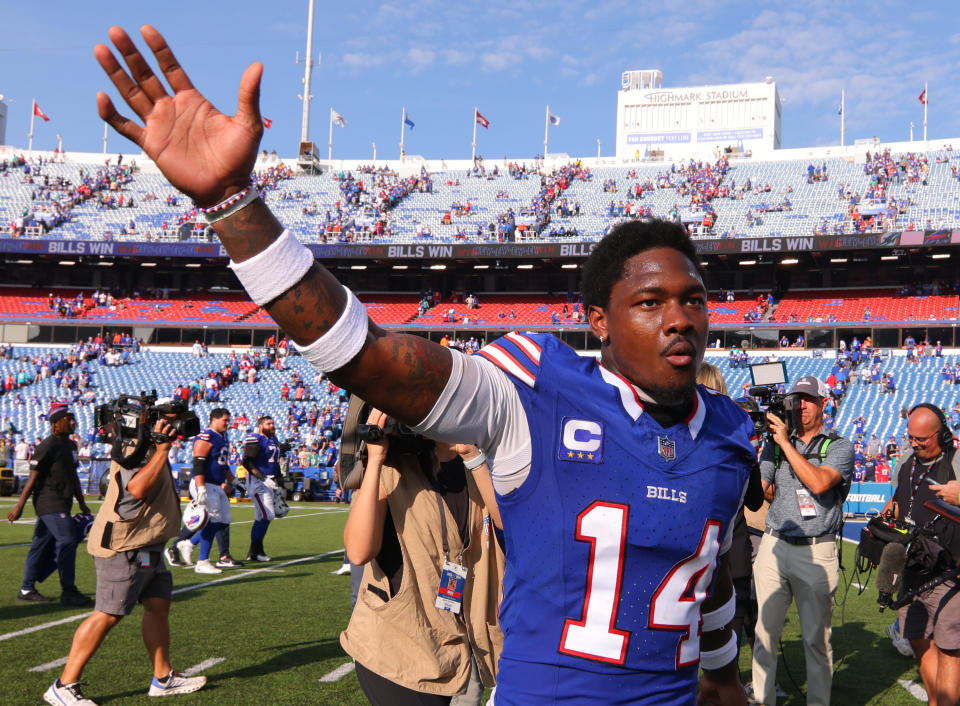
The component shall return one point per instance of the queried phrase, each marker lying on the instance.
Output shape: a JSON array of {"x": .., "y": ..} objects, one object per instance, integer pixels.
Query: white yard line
[
  {"x": 49, "y": 665},
  {"x": 293, "y": 517},
  {"x": 205, "y": 664},
  {"x": 338, "y": 673},
  {"x": 915, "y": 690},
  {"x": 185, "y": 589}
]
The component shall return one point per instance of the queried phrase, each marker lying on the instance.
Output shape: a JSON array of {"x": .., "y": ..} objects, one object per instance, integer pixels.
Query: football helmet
[
  {"x": 195, "y": 516},
  {"x": 280, "y": 507},
  {"x": 83, "y": 522}
]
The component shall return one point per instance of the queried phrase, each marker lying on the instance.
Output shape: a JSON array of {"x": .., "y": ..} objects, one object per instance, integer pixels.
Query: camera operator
[
  {"x": 807, "y": 473},
  {"x": 932, "y": 620},
  {"x": 424, "y": 629},
  {"x": 140, "y": 511}
]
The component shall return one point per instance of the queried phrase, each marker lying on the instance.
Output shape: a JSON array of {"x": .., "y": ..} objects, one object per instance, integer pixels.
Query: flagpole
[
  {"x": 546, "y": 131},
  {"x": 926, "y": 102},
  {"x": 330, "y": 139},
  {"x": 33, "y": 114},
  {"x": 403, "y": 121},
  {"x": 843, "y": 115},
  {"x": 105, "y": 126},
  {"x": 473, "y": 156}
]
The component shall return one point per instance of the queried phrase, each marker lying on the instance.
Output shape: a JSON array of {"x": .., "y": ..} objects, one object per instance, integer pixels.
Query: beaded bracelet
[{"x": 230, "y": 205}]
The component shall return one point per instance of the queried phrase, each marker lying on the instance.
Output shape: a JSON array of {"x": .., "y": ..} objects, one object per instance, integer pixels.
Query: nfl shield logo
[{"x": 667, "y": 448}]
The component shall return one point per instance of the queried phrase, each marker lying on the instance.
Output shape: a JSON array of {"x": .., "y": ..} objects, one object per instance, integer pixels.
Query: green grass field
[{"x": 276, "y": 627}]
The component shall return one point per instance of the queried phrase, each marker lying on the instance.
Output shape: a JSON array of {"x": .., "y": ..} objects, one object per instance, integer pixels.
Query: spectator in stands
[{"x": 892, "y": 449}]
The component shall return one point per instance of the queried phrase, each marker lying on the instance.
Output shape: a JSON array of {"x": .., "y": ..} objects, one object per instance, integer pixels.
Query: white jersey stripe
[
  {"x": 528, "y": 346},
  {"x": 628, "y": 396},
  {"x": 699, "y": 414},
  {"x": 499, "y": 357}
]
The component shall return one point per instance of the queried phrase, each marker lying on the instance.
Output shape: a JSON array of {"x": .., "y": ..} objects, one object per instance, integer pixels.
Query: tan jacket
[
  {"x": 407, "y": 639},
  {"x": 157, "y": 521}
]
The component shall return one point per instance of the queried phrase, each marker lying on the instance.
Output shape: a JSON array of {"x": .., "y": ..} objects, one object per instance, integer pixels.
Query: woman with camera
[{"x": 426, "y": 615}]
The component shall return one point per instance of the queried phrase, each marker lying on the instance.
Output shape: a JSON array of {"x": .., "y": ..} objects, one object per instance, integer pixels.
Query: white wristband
[
  {"x": 342, "y": 341},
  {"x": 476, "y": 461},
  {"x": 721, "y": 617},
  {"x": 720, "y": 657},
  {"x": 273, "y": 271}
]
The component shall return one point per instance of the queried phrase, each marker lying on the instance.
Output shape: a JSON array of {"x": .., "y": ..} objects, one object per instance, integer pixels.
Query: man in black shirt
[{"x": 53, "y": 483}]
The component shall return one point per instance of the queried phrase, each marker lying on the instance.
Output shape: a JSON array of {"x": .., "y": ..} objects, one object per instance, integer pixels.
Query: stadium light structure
[{"x": 306, "y": 97}]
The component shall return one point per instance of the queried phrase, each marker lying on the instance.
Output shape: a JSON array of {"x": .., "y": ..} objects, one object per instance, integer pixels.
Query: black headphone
[{"x": 944, "y": 436}]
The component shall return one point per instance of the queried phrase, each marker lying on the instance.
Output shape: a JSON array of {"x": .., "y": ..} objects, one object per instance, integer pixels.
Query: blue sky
[{"x": 509, "y": 57}]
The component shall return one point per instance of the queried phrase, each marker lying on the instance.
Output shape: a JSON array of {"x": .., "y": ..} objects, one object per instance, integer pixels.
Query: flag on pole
[
  {"x": 554, "y": 119},
  {"x": 483, "y": 121},
  {"x": 923, "y": 96},
  {"x": 407, "y": 121},
  {"x": 39, "y": 113},
  {"x": 267, "y": 122},
  {"x": 337, "y": 118}
]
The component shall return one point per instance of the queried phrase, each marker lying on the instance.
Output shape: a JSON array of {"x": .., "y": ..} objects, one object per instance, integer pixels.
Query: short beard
[{"x": 673, "y": 396}]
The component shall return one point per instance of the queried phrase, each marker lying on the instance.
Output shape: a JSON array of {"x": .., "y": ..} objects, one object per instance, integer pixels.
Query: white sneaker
[
  {"x": 185, "y": 548},
  {"x": 66, "y": 695},
  {"x": 177, "y": 683},
  {"x": 205, "y": 567},
  {"x": 342, "y": 571},
  {"x": 901, "y": 643},
  {"x": 257, "y": 557}
]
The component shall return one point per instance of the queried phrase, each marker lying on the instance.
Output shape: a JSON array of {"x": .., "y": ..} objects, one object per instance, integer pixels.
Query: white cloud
[
  {"x": 497, "y": 60},
  {"x": 362, "y": 60},
  {"x": 420, "y": 58}
]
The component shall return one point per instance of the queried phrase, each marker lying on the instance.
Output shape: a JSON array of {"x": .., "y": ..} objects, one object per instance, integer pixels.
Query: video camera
[
  {"x": 910, "y": 559},
  {"x": 127, "y": 410},
  {"x": 765, "y": 378}
]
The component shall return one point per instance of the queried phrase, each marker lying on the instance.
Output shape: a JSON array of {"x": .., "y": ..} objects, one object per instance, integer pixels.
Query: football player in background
[
  {"x": 617, "y": 481},
  {"x": 261, "y": 458},
  {"x": 211, "y": 475}
]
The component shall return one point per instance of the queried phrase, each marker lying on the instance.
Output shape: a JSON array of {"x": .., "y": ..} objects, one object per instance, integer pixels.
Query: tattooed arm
[{"x": 209, "y": 156}]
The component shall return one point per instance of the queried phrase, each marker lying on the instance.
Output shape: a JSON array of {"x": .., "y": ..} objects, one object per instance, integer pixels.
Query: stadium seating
[
  {"x": 304, "y": 202},
  {"x": 886, "y": 304}
]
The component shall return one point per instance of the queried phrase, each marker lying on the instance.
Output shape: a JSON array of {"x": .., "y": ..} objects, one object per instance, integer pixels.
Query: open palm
[{"x": 205, "y": 154}]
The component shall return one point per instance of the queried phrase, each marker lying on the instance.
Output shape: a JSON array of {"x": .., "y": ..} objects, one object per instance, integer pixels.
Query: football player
[
  {"x": 617, "y": 480},
  {"x": 211, "y": 472},
  {"x": 261, "y": 458}
]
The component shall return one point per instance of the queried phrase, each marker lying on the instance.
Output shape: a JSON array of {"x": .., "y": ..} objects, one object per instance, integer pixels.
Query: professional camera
[
  {"x": 910, "y": 559},
  {"x": 765, "y": 378},
  {"x": 127, "y": 410}
]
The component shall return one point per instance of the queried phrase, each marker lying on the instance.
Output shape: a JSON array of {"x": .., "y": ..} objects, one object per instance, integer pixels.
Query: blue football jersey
[
  {"x": 268, "y": 456},
  {"x": 612, "y": 541},
  {"x": 217, "y": 466}
]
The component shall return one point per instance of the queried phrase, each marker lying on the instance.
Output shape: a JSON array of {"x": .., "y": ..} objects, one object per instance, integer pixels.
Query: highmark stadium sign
[{"x": 479, "y": 251}]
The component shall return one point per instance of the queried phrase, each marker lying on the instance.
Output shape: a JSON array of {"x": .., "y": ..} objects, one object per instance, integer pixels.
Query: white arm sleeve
[{"x": 481, "y": 406}]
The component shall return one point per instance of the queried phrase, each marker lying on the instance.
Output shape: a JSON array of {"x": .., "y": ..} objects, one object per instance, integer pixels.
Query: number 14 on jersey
[{"x": 675, "y": 605}]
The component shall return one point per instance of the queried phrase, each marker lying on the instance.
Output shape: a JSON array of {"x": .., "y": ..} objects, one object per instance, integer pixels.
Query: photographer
[
  {"x": 807, "y": 472},
  {"x": 932, "y": 620},
  {"x": 424, "y": 628},
  {"x": 140, "y": 511}
]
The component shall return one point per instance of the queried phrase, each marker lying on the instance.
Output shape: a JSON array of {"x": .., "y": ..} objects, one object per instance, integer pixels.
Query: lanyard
[{"x": 443, "y": 530}]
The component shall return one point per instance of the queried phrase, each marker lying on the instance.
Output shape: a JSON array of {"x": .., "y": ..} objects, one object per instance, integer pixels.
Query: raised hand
[{"x": 205, "y": 154}]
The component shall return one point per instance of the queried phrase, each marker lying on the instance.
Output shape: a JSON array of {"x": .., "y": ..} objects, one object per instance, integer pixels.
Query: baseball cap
[{"x": 810, "y": 385}]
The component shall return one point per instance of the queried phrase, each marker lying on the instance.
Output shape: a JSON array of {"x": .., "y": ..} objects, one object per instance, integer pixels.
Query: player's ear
[{"x": 597, "y": 317}]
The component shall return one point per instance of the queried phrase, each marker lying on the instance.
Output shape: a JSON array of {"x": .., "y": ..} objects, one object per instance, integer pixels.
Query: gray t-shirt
[
  {"x": 784, "y": 515},
  {"x": 128, "y": 506}
]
